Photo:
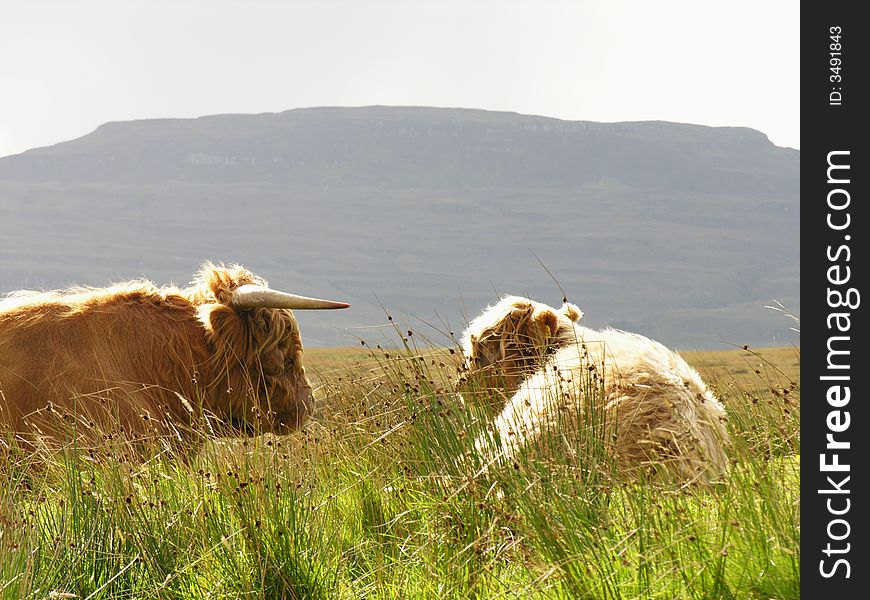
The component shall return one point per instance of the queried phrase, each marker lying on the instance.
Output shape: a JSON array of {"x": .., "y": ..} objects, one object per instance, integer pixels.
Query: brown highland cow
[{"x": 223, "y": 355}]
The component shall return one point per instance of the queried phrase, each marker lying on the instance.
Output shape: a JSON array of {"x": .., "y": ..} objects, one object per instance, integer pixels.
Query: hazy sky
[{"x": 66, "y": 67}]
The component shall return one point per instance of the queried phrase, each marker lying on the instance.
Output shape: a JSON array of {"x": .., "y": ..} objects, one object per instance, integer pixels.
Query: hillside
[{"x": 682, "y": 232}]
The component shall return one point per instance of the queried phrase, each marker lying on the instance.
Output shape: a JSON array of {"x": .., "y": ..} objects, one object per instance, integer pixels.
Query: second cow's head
[{"x": 512, "y": 339}]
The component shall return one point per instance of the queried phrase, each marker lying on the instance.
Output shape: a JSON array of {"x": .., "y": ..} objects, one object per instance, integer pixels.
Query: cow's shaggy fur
[
  {"x": 658, "y": 413},
  {"x": 145, "y": 360}
]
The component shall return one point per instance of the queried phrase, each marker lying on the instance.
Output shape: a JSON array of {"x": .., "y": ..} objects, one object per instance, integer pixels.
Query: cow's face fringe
[
  {"x": 257, "y": 369},
  {"x": 511, "y": 339}
]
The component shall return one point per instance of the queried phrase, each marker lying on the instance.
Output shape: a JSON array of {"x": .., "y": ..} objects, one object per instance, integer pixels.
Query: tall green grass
[{"x": 384, "y": 496}]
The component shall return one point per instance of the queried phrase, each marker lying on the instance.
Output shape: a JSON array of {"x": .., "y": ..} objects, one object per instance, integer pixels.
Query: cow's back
[{"x": 100, "y": 360}]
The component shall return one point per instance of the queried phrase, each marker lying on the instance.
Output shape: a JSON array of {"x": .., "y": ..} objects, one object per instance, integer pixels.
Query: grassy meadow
[{"x": 383, "y": 496}]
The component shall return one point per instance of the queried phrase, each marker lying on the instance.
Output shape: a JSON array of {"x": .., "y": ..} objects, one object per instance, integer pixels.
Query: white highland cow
[{"x": 658, "y": 414}]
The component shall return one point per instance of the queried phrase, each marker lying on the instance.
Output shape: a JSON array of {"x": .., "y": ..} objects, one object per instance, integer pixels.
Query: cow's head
[
  {"x": 259, "y": 382},
  {"x": 512, "y": 339}
]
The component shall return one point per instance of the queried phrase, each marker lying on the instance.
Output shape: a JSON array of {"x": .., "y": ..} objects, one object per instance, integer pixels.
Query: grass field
[{"x": 383, "y": 496}]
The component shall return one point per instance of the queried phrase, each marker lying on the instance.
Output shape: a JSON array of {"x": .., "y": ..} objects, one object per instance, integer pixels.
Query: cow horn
[{"x": 258, "y": 296}]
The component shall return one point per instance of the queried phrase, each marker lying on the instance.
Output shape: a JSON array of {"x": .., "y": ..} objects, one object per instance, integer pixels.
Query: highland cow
[
  {"x": 223, "y": 355},
  {"x": 659, "y": 416}
]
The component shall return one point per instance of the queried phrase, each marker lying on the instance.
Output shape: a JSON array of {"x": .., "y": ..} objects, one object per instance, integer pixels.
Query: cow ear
[
  {"x": 572, "y": 311},
  {"x": 545, "y": 325},
  {"x": 230, "y": 334}
]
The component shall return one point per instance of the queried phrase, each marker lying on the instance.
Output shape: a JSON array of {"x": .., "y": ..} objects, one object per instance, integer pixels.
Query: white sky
[{"x": 66, "y": 67}]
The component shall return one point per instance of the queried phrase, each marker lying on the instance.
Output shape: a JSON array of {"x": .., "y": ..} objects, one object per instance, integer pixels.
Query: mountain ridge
[{"x": 352, "y": 147}]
